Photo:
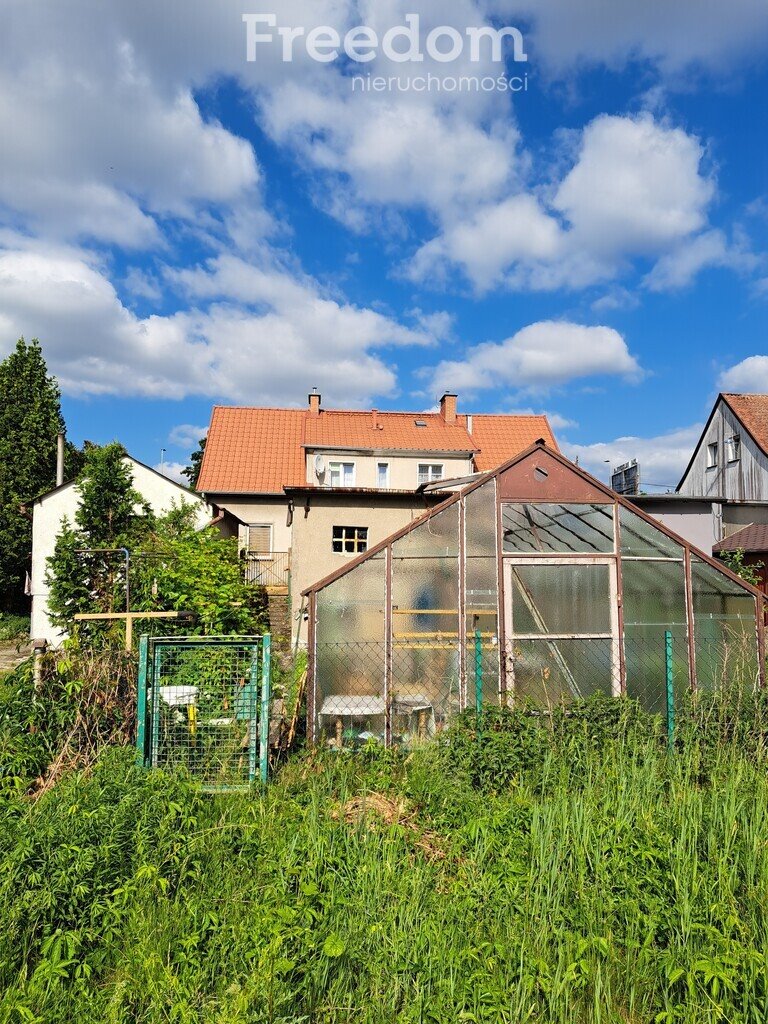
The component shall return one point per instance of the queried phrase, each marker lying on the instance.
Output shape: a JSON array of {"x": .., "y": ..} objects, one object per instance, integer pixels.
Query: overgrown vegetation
[
  {"x": 567, "y": 871},
  {"x": 117, "y": 550},
  {"x": 749, "y": 571}
]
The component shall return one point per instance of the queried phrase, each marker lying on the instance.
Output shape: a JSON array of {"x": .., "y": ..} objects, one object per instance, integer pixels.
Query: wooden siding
[{"x": 744, "y": 480}]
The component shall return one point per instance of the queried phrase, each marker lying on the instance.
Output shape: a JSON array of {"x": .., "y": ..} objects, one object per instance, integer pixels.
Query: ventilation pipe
[{"x": 59, "y": 460}]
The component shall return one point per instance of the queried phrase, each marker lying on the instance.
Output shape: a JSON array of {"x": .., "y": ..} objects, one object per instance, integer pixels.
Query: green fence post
[
  {"x": 154, "y": 749},
  {"x": 253, "y": 711},
  {"x": 478, "y": 672},
  {"x": 266, "y": 666},
  {"x": 141, "y": 703},
  {"x": 670, "y": 689}
]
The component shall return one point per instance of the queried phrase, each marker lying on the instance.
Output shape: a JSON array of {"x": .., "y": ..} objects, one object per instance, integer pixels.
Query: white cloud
[
  {"x": 662, "y": 459},
  {"x": 540, "y": 356},
  {"x": 671, "y": 35},
  {"x": 99, "y": 151},
  {"x": 174, "y": 471},
  {"x": 186, "y": 435},
  {"x": 491, "y": 240},
  {"x": 267, "y": 341},
  {"x": 636, "y": 187},
  {"x": 749, "y": 376},
  {"x": 635, "y": 190},
  {"x": 679, "y": 268}
]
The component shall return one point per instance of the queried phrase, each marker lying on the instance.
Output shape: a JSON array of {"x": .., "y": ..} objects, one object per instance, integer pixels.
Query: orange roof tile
[
  {"x": 260, "y": 451},
  {"x": 752, "y": 410},
  {"x": 502, "y": 437}
]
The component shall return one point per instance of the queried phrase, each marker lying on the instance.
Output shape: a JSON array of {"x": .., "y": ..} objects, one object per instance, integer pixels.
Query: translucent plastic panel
[
  {"x": 350, "y": 643},
  {"x": 547, "y": 672},
  {"x": 352, "y": 607},
  {"x": 480, "y": 520},
  {"x": 642, "y": 540},
  {"x": 439, "y": 535},
  {"x": 425, "y": 596},
  {"x": 481, "y": 595},
  {"x": 725, "y": 628},
  {"x": 654, "y": 601},
  {"x": 425, "y": 687},
  {"x": 557, "y": 528},
  {"x": 561, "y": 599}
]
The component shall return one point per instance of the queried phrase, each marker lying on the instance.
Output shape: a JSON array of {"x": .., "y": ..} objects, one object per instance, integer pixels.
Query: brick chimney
[
  {"x": 314, "y": 402},
  {"x": 448, "y": 407}
]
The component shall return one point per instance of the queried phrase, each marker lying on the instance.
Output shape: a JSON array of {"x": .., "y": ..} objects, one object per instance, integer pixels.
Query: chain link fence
[{"x": 407, "y": 692}]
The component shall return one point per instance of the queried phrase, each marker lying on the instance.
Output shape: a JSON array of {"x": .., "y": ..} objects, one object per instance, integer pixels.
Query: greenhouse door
[{"x": 562, "y": 627}]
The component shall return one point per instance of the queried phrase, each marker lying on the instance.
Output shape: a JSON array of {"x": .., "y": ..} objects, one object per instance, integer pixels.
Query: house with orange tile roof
[
  {"x": 316, "y": 487},
  {"x": 725, "y": 485}
]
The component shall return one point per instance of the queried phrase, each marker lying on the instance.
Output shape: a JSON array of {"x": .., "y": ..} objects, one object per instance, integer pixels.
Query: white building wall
[{"x": 50, "y": 511}]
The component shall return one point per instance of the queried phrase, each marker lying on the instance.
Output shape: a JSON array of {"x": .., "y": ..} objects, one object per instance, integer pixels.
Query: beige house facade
[{"x": 315, "y": 487}]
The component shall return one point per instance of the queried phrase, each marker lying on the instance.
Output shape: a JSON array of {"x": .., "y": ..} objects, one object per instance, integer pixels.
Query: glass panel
[
  {"x": 643, "y": 540},
  {"x": 654, "y": 601},
  {"x": 725, "y": 627},
  {"x": 549, "y": 671},
  {"x": 557, "y": 528},
  {"x": 561, "y": 599}
]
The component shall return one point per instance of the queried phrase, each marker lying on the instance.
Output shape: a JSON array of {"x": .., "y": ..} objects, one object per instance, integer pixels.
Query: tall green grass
[{"x": 576, "y": 873}]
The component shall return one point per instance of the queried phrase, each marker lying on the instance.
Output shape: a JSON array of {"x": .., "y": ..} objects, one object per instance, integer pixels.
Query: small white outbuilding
[{"x": 51, "y": 509}]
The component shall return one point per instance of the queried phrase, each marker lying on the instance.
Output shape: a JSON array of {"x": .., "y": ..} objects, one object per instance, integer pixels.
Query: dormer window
[
  {"x": 429, "y": 472},
  {"x": 342, "y": 474}
]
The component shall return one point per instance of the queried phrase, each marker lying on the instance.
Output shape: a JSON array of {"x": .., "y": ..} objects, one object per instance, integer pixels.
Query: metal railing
[{"x": 268, "y": 569}]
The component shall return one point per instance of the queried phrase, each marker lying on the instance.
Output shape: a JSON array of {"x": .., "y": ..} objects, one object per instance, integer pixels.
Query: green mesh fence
[{"x": 204, "y": 706}]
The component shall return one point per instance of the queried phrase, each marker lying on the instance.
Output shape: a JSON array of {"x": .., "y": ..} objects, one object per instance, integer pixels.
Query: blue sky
[{"x": 181, "y": 226}]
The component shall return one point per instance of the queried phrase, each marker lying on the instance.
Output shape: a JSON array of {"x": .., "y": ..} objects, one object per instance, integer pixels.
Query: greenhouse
[{"x": 534, "y": 583}]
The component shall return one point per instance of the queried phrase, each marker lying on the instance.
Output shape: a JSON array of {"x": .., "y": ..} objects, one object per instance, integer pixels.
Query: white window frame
[
  {"x": 611, "y": 561},
  {"x": 431, "y": 478},
  {"x": 385, "y": 467},
  {"x": 339, "y": 466},
  {"x": 261, "y": 555},
  {"x": 733, "y": 448},
  {"x": 360, "y": 544},
  {"x": 713, "y": 455}
]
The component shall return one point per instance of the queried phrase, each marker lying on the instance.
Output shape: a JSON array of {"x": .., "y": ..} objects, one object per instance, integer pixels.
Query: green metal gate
[{"x": 203, "y": 705}]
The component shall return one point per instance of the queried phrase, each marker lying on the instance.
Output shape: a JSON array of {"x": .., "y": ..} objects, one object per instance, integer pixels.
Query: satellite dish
[{"x": 319, "y": 465}]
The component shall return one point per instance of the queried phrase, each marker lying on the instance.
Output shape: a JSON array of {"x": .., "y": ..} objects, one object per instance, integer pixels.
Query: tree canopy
[
  {"x": 30, "y": 419},
  {"x": 168, "y": 564}
]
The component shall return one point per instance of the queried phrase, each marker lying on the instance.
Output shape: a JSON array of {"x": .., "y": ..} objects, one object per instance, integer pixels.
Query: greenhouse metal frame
[{"x": 534, "y": 583}]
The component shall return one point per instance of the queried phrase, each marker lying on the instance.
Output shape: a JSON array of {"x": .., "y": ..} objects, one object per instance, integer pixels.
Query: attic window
[
  {"x": 420, "y": 423},
  {"x": 733, "y": 448}
]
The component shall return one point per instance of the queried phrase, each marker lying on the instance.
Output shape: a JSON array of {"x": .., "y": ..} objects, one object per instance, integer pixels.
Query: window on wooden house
[
  {"x": 733, "y": 448},
  {"x": 712, "y": 455}
]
